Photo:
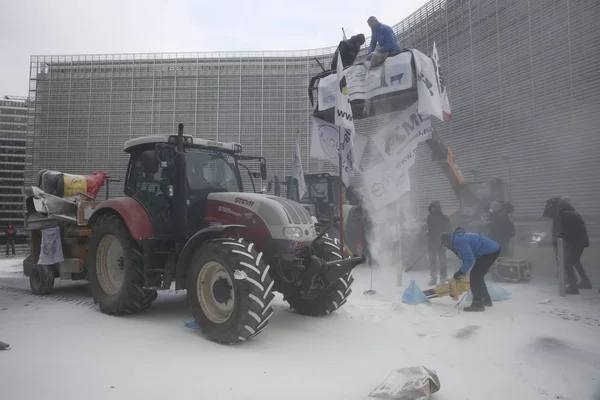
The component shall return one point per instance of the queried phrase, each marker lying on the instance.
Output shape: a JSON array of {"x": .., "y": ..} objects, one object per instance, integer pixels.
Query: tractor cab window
[
  {"x": 211, "y": 170},
  {"x": 319, "y": 190},
  {"x": 147, "y": 175}
]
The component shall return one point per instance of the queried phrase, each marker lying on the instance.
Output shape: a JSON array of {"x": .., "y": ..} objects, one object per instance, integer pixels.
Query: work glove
[{"x": 458, "y": 275}]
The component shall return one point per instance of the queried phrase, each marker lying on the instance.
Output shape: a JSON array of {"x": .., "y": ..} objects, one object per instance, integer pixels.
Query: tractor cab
[
  {"x": 321, "y": 197},
  {"x": 172, "y": 179}
]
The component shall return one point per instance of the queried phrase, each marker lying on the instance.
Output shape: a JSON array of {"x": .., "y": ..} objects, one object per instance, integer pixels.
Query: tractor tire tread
[
  {"x": 334, "y": 296},
  {"x": 254, "y": 291},
  {"x": 133, "y": 298}
]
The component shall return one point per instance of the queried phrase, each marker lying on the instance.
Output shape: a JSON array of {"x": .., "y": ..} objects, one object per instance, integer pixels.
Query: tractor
[
  {"x": 185, "y": 221},
  {"x": 321, "y": 197}
]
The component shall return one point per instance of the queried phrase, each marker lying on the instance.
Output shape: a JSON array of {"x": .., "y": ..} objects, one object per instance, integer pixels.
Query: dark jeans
[
  {"x": 434, "y": 254},
  {"x": 10, "y": 242},
  {"x": 481, "y": 267},
  {"x": 573, "y": 262},
  {"x": 504, "y": 247}
]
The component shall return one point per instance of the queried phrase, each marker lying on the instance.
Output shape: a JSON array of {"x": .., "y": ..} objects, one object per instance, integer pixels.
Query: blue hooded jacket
[
  {"x": 469, "y": 246},
  {"x": 386, "y": 38}
]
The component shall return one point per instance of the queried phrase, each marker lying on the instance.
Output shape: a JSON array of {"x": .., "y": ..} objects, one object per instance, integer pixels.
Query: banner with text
[
  {"x": 430, "y": 100},
  {"x": 394, "y": 75},
  {"x": 387, "y": 181},
  {"x": 441, "y": 83}
]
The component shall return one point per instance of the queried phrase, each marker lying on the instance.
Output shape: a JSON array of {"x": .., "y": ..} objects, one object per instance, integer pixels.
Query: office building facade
[
  {"x": 13, "y": 130},
  {"x": 521, "y": 76}
]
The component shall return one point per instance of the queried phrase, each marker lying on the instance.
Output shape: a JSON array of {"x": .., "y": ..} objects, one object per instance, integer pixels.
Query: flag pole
[{"x": 341, "y": 197}]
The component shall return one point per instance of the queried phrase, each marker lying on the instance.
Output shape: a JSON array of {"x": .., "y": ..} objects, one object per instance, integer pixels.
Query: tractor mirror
[
  {"x": 263, "y": 168},
  {"x": 269, "y": 186}
]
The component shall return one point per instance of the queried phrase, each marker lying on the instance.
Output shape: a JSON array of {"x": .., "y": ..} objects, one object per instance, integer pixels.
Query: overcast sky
[{"x": 48, "y": 27}]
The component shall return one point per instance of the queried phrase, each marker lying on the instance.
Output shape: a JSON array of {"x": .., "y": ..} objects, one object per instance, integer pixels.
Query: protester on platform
[
  {"x": 501, "y": 227},
  {"x": 478, "y": 253},
  {"x": 11, "y": 237},
  {"x": 348, "y": 50},
  {"x": 384, "y": 36},
  {"x": 568, "y": 224},
  {"x": 437, "y": 223}
]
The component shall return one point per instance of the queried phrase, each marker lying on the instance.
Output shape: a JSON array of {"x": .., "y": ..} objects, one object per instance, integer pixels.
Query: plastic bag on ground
[
  {"x": 497, "y": 292},
  {"x": 414, "y": 295},
  {"x": 412, "y": 383}
]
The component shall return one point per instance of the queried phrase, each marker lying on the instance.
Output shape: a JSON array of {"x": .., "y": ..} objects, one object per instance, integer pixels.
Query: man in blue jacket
[
  {"x": 387, "y": 40},
  {"x": 478, "y": 253}
]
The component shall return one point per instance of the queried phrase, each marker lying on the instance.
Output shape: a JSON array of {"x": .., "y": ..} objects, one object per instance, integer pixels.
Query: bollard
[{"x": 560, "y": 247}]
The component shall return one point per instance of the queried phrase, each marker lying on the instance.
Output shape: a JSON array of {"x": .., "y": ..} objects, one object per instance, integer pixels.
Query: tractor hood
[{"x": 276, "y": 212}]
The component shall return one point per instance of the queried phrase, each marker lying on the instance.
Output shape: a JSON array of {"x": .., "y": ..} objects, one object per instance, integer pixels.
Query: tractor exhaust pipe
[{"x": 179, "y": 219}]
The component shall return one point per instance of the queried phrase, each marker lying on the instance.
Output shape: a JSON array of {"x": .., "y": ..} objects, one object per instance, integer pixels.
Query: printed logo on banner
[
  {"x": 399, "y": 135},
  {"x": 422, "y": 78}
]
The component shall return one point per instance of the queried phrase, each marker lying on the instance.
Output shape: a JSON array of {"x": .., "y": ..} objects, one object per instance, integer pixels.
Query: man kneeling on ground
[{"x": 478, "y": 253}]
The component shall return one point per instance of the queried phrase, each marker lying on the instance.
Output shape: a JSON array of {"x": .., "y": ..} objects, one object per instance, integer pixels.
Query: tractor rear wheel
[
  {"x": 333, "y": 297},
  {"x": 229, "y": 290},
  {"x": 115, "y": 268}
]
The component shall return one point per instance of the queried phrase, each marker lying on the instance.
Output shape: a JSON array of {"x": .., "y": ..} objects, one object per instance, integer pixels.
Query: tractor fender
[
  {"x": 212, "y": 232},
  {"x": 134, "y": 214}
]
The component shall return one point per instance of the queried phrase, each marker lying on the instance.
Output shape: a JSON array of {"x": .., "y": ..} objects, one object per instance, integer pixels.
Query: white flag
[
  {"x": 298, "y": 172},
  {"x": 430, "y": 101},
  {"x": 441, "y": 84},
  {"x": 324, "y": 145},
  {"x": 343, "y": 110}
]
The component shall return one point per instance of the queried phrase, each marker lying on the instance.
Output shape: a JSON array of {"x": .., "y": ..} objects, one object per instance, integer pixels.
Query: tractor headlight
[{"x": 293, "y": 232}]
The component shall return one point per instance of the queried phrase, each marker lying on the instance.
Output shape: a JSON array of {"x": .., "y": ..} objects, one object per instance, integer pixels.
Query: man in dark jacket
[
  {"x": 437, "y": 223},
  {"x": 384, "y": 36},
  {"x": 478, "y": 253},
  {"x": 501, "y": 227},
  {"x": 11, "y": 236},
  {"x": 568, "y": 224},
  {"x": 348, "y": 50}
]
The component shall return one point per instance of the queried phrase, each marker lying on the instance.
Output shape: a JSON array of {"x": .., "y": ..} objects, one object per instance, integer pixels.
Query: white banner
[
  {"x": 406, "y": 129},
  {"x": 441, "y": 84},
  {"x": 343, "y": 109},
  {"x": 298, "y": 172},
  {"x": 394, "y": 75},
  {"x": 51, "y": 247},
  {"x": 324, "y": 146},
  {"x": 387, "y": 181},
  {"x": 430, "y": 101},
  {"x": 384, "y": 186}
]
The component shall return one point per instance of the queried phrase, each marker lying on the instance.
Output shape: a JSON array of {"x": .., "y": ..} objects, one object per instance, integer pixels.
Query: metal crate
[{"x": 511, "y": 270}]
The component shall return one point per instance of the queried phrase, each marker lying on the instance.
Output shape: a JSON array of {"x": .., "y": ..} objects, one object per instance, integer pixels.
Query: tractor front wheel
[
  {"x": 116, "y": 268},
  {"x": 229, "y": 290},
  {"x": 334, "y": 296}
]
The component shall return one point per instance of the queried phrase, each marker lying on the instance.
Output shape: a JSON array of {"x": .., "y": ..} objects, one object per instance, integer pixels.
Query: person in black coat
[
  {"x": 568, "y": 224},
  {"x": 348, "y": 50},
  {"x": 501, "y": 227},
  {"x": 437, "y": 223},
  {"x": 11, "y": 237}
]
